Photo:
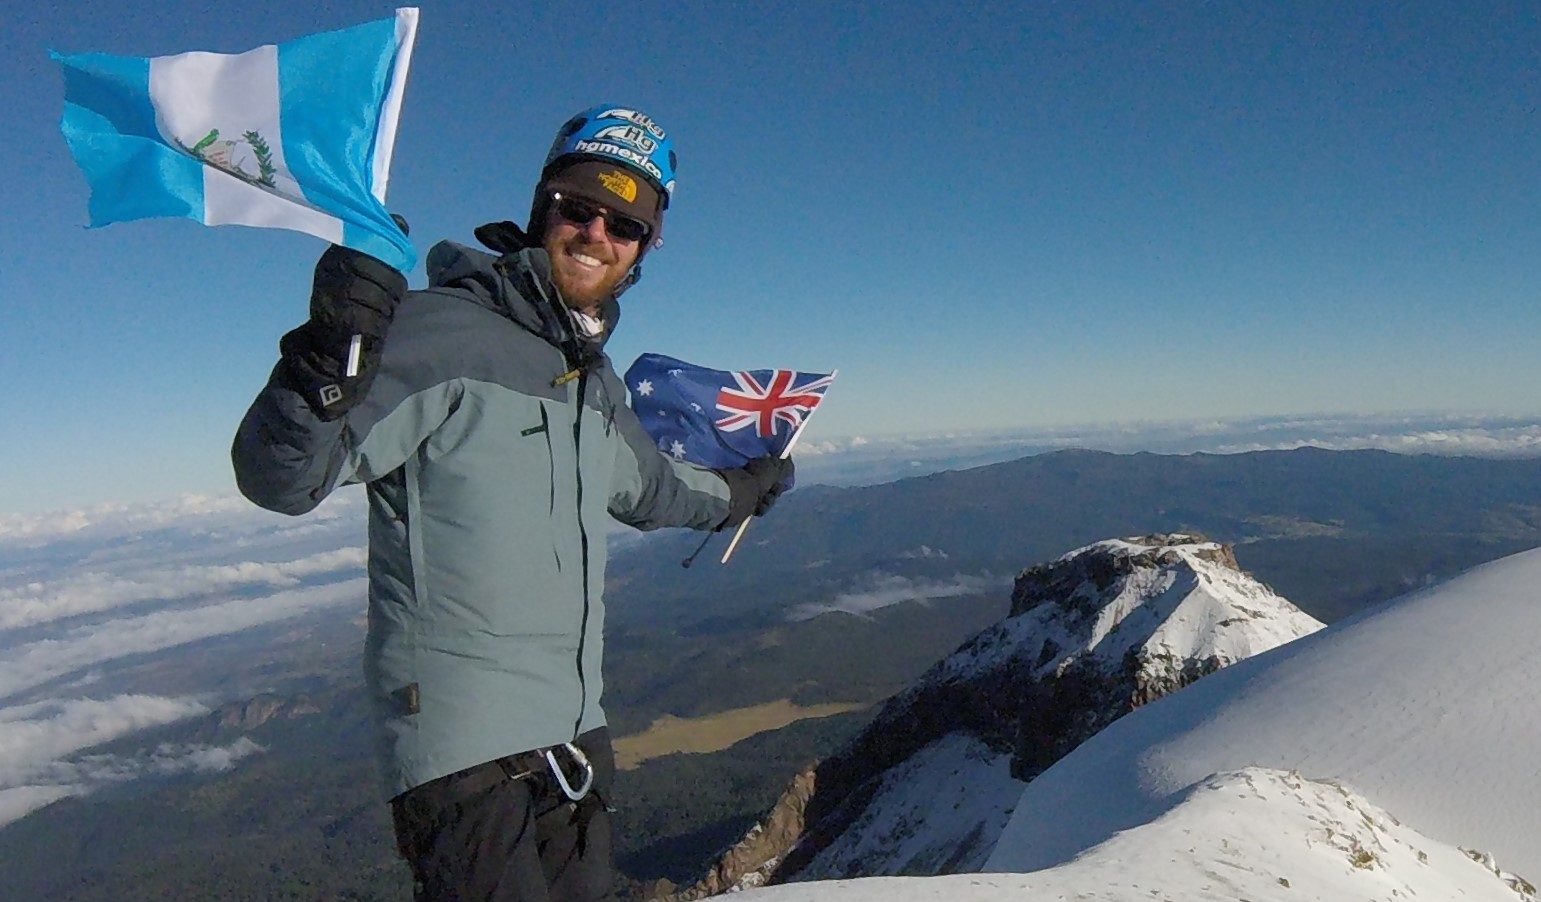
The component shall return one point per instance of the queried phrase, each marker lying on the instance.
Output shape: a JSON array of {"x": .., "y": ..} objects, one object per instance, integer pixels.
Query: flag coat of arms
[
  {"x": 719, "y": 418},
  {"x": 297, "y": 135}
]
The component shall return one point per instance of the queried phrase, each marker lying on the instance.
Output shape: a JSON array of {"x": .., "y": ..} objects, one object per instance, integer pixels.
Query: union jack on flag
[
  {"x": 786, "y": 397},
  {"x": 718, "y": 418}
]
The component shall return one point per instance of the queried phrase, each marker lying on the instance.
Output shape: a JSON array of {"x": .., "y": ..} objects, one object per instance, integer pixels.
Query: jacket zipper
[
  {"x": 545, "y": 426},
  {"x": 583, "y": 546}
]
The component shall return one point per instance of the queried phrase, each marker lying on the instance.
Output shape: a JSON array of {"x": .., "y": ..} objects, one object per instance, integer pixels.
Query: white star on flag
[
  {"x": 645, "y": 387},
  {"x": 678, "y": 450}
]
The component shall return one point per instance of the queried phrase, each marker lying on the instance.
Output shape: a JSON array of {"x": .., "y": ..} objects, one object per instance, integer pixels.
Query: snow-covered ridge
[
  {"x": 1257, "y": 834},
  {"x": 1389, "y": 757},
  {"x": 1162, "y": 599},
  {"x": 1426, "y": 705},
  {"x": 1091, "y": 636}
]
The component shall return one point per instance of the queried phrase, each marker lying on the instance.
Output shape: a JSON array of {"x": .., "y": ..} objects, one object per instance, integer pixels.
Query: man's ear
[{"x": 503, "y": 237}]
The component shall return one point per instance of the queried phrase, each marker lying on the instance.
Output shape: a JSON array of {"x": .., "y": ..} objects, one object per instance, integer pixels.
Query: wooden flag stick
[{"x": 785, "y": 453}]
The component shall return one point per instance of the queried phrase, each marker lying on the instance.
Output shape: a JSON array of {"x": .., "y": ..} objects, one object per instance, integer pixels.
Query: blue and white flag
[
  {"x": 717, "y": 418},
  {"x": 296, "y": 135}
]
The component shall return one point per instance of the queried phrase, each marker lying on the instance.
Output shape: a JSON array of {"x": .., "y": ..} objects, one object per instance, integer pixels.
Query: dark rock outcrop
[{"x": 258, "y": 710}]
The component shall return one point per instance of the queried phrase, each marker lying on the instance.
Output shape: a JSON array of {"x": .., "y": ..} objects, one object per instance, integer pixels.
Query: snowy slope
[
  {"x": 1429, "y": 705},
  {"x": 1358, "y": 763},
  {"x": 939, "y": 812},
  {"x": 928, "y": 786},
  {"x": 1173, "y": 598},
  {"x": 1256, "y": 834}
]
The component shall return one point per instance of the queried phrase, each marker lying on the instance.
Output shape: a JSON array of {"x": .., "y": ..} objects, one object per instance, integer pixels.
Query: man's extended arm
[
  {"x": 292, "y": 446},
  {"x": 651, "y": 490}
]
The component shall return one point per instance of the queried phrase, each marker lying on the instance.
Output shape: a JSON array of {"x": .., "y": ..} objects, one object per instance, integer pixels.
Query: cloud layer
[
  {"x": 92, "y": 600},
  {"x": 94, "y": 592},
  {"x": 869, "y": 459},
  {"x": 886, "y": 589},
  {"x": 39, "y": 743}
]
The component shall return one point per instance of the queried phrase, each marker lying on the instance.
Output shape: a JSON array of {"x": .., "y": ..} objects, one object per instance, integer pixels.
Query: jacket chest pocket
[{"x": 534, "y": 438}]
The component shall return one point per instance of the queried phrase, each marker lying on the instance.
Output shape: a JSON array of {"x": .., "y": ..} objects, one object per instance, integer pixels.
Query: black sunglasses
[{"x": 578, "y": 211}]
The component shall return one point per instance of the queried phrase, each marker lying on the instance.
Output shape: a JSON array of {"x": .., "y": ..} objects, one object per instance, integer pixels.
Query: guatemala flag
[
  {"x": 722, "y": 419},
  {"x": 296, "y": 135}
]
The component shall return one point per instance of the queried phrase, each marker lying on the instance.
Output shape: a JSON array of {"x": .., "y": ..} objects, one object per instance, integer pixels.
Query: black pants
[{"x": 480, "y": 835}]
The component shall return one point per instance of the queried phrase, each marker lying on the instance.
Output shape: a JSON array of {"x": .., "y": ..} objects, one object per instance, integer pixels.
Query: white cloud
[
  {"x": 192, "y": 513},
  {"x": 165, "y": 760},
  {"x": 31, "y": 664},
  {"x": 34, "y": 736},
  {"x": 120, "y": 517},
  {"x": 888, "y": 589},
  {"x": 1520, "y": 441},
  {"x": 204, "y": 759},
  {"x": 39, "y": 744},
  {"x": 94, "y": 592},
  {"x": 20, "y": 801},
  {"x": 85, "y": 775},
  {"x": 85, "y": 593}
]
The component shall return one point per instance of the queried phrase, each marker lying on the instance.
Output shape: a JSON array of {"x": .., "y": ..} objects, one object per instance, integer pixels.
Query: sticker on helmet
[
  {"x": 634, "y": 117},
  {"x": 608, "y": 148},
  {"x": 633, "y": 135},
  {"x": 620, "y": 184}
]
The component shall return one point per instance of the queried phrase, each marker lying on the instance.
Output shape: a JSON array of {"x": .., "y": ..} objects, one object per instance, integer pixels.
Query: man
[{"x": 494, "y": 439}]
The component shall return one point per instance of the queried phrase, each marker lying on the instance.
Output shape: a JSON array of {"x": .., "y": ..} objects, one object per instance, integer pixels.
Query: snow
[
  {"x": 1189, "y": 607},
  {"x": 1257, "y": 834},
  {"x": 952, "y": 788},
  {"x": 1202, "y": 609},
  {"x": 1360, "y": 762},
  {"x": 1428, "y": 705}
]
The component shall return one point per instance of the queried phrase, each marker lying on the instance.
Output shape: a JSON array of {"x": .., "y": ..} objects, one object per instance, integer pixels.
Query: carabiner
[{"x": 561, "y": 778}]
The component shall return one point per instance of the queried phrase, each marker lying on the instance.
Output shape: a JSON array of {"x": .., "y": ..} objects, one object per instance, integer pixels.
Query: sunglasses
[{"x": 578, "y": 211}]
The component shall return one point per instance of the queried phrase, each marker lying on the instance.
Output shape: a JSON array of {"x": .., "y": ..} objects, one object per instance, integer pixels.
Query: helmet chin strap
[{"x": 632, "y": 277}]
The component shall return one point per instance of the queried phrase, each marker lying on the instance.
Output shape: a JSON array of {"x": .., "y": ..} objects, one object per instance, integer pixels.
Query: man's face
[{"x": 587, "y": 262}]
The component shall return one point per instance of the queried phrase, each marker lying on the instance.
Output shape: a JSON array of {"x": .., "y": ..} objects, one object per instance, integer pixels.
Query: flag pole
[{"x": 785, "y": 453}]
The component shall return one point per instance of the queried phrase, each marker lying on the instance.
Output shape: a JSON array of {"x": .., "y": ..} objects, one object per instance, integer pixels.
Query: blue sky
[{"x": 1019, "y": 216}]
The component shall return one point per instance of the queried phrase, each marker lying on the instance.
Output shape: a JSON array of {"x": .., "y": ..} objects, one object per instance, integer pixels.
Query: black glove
[
  {"x": 352, "y": 294},
  {"x": 754, "y": 487}
]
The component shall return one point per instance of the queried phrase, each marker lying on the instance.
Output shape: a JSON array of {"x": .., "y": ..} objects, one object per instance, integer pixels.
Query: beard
[{"x": 586, "y": 286}]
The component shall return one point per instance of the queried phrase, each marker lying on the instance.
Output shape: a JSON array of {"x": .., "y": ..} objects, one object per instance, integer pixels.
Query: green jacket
[{"x": 489, "y": 489}]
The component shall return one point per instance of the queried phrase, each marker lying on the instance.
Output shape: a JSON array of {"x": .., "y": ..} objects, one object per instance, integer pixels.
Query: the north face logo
[{"x": 620, "y": 184}]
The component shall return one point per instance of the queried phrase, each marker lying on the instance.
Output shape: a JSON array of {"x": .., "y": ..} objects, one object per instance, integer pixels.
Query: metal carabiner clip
[{"x": 561, "y": 778}]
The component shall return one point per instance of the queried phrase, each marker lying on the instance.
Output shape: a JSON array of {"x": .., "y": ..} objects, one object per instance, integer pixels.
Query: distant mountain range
[{"x": 1331, "y": 530}]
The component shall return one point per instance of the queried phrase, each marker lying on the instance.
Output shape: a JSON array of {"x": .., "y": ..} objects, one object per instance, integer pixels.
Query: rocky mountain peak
[
  {"x": 1161, "y": 609},
  {"x": 1080, "y": 577},
  {"x": 1090, "y": 637},
  {"x": 254, "y": 712}
]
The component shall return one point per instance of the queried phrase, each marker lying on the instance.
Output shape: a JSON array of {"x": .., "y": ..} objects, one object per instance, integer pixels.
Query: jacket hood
[{"x": 516, "y": 285}]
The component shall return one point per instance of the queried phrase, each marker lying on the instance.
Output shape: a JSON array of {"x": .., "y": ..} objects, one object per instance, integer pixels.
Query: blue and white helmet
[{"x": 623, "y": 135}]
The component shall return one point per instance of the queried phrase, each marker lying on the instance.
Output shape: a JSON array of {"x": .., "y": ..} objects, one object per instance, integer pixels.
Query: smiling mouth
[{"x": 586, "y": 260}]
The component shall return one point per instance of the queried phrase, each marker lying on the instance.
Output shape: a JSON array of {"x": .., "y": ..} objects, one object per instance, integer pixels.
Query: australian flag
[{"x": 717, "y": 418}]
